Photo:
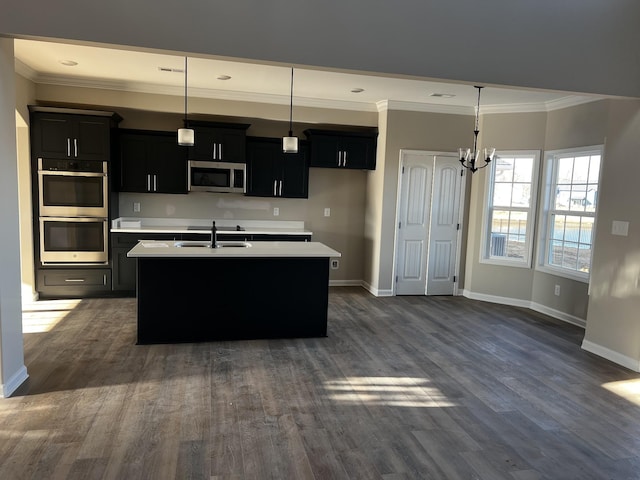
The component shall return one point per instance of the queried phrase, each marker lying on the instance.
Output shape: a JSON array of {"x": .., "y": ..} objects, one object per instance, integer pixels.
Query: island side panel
[{"x": 196, "y": 299}]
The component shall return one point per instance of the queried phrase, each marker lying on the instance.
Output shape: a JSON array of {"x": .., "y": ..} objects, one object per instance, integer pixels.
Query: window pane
[
  {"x": 584, "y": 258},
  {"x": 594, "y": 169},
  {"x": 578, "y": 198},
  {"x": 565, "y": 171},
  {"x": 557, "y": 227},
  {"x": 586, "y": 229},
  {"x": 563, "y": 194},
  {"x": 521, "y": 194},
  {"x": 570, "y": 255},
  {"x": 504, "y": 169},
  {"x": 592, "y": 197},
  {"x": 571, "y": 229},
  {"x": 502, "y": 195},
  {"x": 523, "y": 170},
  {"x": 581, "y": 169},
  {"x": 500, "y": 221}
]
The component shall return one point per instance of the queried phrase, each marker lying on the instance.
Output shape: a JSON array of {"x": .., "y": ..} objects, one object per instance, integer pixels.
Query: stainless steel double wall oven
[{"x": 73, "y": 211}]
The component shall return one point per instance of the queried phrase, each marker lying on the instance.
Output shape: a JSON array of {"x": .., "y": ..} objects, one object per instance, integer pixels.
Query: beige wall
[
  {"x": 401, "y": 130},
  {"x": 25, "y": 94},
  {"x": 613, "y": 328}
]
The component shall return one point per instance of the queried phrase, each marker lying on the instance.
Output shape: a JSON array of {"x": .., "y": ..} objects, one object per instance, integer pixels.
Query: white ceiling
[{"x": 137, "y": 71}]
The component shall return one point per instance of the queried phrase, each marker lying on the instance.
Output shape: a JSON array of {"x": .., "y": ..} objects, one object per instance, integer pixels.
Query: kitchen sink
[
  {"x": 205, "y": 244},
  {"x": 193, "y": 243},
  {"x": 233, "y": 243}
]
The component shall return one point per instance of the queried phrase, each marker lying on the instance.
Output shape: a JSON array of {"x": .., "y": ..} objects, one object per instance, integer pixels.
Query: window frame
[
  {"x": 551, "y": 160},
  {"x": 485, "y": 244}
]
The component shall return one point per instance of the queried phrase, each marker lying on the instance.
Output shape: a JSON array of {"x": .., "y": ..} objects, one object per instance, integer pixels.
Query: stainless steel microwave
[{"x": 217, "y": 177}]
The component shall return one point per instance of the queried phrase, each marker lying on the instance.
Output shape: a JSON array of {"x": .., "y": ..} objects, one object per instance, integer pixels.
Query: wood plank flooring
[{"x": 402, "y": 388}]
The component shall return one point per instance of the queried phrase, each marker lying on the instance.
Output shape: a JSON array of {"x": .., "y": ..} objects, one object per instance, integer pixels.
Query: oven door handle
[{"x": 71, "y": 174}]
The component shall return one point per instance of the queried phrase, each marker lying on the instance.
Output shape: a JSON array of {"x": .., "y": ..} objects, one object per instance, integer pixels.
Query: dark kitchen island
[{"x": 190, "y": 293}]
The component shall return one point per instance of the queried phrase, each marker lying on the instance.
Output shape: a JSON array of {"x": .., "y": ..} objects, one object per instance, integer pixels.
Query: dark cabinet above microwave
[
  {"x": 339, "y": 149},
  {"x": 218, "y": 142}
]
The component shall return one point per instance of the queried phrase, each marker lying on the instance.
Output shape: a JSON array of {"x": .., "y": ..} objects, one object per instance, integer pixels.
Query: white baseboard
[
  {"x": 615, "y": 357},
  {"x": 537, "y": 307},
  {"x": 375, "y": 291},
  {"x": 345, "y": 283},
  {"x": 14, "y": 382}
]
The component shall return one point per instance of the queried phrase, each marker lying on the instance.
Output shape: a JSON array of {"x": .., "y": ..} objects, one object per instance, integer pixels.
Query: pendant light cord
[
  {"x": 291, "y": 107},
  {"x": 185, "y": 91}
]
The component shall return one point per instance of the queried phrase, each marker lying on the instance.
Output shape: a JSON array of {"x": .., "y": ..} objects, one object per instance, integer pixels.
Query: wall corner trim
[
  {"x": 14, "y": 382},
  {"x": 375, "y": 291},
  {"x": 608, "y": 354}
]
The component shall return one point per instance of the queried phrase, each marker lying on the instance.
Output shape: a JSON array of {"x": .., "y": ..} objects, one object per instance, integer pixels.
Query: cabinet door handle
[
  {"x": 68, "y": 147},
  {"x": 75, "y": 147},
  {"x": 275, "y": 186},
  {"x": 280, "y": 192},
  {"x": 339, "y": 157},
  {"x": 220, "y": 151},
  {"x": 214, "y": 151},
  {"x": 74, "y": 280},
  {"x": 155, "y": 183},
  {"x": 104, "y": 279},
  {"x": 344, "y": 159},
  {"x": 148, "y": 182}
]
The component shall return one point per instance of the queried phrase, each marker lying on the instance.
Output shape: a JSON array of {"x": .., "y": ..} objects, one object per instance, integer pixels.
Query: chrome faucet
[{"x": 214, "y": 235}]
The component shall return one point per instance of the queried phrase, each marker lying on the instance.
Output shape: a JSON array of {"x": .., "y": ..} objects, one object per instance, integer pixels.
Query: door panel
[
  {"x": 413, "y": 225},
  {"x": 427, "y": 230},
  {"x": 443, "y": 235}
]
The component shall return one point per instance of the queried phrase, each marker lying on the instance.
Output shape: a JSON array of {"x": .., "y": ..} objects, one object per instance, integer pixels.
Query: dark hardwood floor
[{"x": 402, "y": 388}]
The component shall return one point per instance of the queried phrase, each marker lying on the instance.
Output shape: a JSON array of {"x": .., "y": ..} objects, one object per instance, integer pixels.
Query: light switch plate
[
  {"x": 620, "y": 228},
  {"x": 327, "y": 212},
  {"x": 276, "y": 211}
]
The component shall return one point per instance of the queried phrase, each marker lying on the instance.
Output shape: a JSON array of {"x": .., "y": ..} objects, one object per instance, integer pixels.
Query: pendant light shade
[
  {"x": 186, "y": 136},
  {"x": 290, "y": 143}
]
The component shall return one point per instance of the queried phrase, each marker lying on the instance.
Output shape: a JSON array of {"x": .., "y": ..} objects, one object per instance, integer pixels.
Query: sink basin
[
  {"x": 193, "y": 243},
  {"x": 205, "y": 244},
  {"x": 233, "y": 243}
]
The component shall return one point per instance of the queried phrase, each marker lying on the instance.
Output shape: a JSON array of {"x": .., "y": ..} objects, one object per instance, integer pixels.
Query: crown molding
[{"x": 381, "y": 106}]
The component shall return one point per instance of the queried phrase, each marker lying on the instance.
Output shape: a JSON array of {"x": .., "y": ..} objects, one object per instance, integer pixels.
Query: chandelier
[{"x": 469, "y": 158}]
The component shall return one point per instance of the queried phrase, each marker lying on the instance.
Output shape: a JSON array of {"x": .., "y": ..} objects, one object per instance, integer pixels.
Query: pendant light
[
  {"x": 290, "y": 143},
  {"x": 468, "y": 158},
  {"x": 186, "y": 135}
]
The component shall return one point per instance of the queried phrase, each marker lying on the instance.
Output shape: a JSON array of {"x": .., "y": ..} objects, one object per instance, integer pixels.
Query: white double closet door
[{"x": 429, "y": 217}]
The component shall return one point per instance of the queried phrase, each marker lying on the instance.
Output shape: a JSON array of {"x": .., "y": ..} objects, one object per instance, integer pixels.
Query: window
[
  {"x": 510, "y": 212},
  {"x": 568, "y": 220}
]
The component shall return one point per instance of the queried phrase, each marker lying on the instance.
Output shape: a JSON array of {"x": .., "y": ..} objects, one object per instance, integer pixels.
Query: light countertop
[{"x": 169, "y": 249}]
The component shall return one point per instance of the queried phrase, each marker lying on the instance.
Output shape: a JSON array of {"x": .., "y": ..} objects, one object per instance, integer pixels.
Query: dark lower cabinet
[{"x": 73, "y": 282}]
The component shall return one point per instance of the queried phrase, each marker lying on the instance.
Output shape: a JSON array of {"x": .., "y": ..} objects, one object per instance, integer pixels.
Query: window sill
[{"x": 558, "y": 272}]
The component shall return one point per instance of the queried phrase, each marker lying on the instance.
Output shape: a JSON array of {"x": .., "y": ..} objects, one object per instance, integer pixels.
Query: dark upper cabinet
[
  {"x": 218, "y": 142},
  {"x": 336, "y": 149},
  {"x": 151, "y": 162},
  {"x": 67, "y": 135},
  {"x": 273, "y": 173}
]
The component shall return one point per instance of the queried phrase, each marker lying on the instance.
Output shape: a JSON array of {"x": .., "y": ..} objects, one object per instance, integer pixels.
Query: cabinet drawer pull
[{"x": 74, "y": 280}]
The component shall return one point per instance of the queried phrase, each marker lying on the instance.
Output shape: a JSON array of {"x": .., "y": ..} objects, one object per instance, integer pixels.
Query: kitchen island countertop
[{"x": 168, "y": 249}]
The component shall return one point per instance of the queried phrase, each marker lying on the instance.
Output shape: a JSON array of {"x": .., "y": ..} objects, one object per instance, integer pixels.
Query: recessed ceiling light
[
  {"x": 68, "y": 63},
  {"x": 442, "y": 95},
  {"x": 223, "y": 77},
  {"x": 357, "y": 90}
]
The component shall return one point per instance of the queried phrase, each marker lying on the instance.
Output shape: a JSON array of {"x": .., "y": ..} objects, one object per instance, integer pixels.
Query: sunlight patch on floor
[
  {"x": 43, "y": 316},
  {"x": 387, "y": 391},
  {"x": 627, "y": 389}
]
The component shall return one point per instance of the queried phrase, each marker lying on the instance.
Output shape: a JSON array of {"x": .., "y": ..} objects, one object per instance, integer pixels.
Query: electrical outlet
[
  {"x": 335, "y": 264},
  {"x": 276, "y": 211},
  {"x": 327, "y": 212},
  {"x": 556, "y": 291},
  {"x": 136, "y": 207}
]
